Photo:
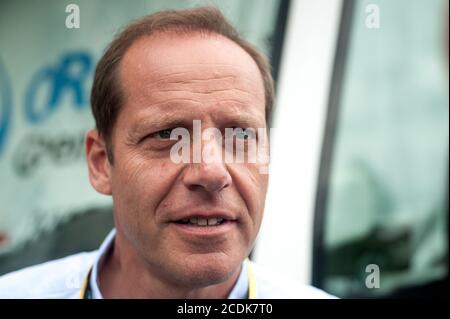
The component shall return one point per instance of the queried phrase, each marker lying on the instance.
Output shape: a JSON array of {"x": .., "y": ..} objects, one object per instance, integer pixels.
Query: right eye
[{"x": 162, "y": 135}]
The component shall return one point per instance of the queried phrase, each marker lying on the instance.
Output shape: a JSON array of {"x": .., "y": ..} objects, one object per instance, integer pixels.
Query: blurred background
[{"x": 359, "y": 167}]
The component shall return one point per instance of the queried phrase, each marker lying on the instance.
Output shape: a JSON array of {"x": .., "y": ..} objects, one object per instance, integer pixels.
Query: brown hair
[{"x": 106, "y": 97}]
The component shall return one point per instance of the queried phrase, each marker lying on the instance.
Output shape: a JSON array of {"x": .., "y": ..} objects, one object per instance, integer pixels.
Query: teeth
[
  {"x": 212, "y": 221},
  {"x": 205, "y": 221}
]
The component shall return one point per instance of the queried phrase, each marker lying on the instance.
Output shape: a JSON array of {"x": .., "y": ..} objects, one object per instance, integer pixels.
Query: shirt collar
[{"x": 239, "y": 290}]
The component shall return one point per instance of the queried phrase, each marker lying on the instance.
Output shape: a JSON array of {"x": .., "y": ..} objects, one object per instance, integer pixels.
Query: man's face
[{"x": 168, "y": 81}]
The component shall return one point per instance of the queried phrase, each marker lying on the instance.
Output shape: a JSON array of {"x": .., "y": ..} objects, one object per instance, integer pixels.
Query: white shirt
[{"x": 63, "y": 278}]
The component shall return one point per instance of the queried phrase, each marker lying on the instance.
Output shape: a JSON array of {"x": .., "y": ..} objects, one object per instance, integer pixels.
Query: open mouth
[{"x": 202, "y": 222}]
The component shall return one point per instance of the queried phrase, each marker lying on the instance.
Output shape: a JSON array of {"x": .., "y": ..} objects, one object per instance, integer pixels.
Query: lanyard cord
[
  {"x": 85, "y": 292},
  {"x": 85, "y": 288},
  {"x": 251, "y": 281}
]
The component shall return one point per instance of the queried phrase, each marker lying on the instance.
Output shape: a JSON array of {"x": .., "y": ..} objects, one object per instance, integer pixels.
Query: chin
[{"x": 209, "y": 269}]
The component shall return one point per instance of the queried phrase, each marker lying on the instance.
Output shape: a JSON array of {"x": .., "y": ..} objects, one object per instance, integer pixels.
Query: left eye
[
  {"x": 162, "y": 135},
  {"x": 245, "y": 134}
]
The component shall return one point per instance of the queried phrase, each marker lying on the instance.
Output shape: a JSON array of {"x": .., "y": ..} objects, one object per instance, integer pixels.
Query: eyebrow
[
  {"x": 155, "y": 124},
  {"x": 184, "y": 118},
  {"x": 160, "y": 119},
  {"x": 244, "y": 120}
]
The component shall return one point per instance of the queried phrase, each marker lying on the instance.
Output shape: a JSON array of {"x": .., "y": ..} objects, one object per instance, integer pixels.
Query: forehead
[
  {"x": 203, "y": 69},
  {"x": 163, "y": 51}
]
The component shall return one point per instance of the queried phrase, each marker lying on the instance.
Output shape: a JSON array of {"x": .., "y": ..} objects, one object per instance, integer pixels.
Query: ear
[{"x": 98, "y": 163}]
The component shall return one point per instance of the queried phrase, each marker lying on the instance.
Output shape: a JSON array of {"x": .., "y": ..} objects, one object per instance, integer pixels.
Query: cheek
[
  {"x": 139, "y": 185},
  {"x": 259, "y": 193},
  {"x": 258, "y": 182},
  {"x": 252, "y": 187}
]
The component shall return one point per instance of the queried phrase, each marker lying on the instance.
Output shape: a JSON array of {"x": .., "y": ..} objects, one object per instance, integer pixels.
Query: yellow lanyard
[
  {"x": 251, "y": 281},
  {"x": 250, "y": 277},
  {"x": 84, "y": 287}
]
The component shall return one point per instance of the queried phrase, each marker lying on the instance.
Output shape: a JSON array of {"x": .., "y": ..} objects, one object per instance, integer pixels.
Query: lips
[
  {"x": 204, "y": 228},
  {"x": 200, "y": 221},
  {"x": 204, "y": 219}
]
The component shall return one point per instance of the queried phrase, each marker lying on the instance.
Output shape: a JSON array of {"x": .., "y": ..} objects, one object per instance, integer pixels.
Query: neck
[{"x": 125, "y": 275}]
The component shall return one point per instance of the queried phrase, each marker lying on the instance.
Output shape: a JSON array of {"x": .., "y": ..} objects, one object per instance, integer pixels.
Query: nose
[
  {"x": 212, "y": 177},
  {"x": 209, "y": 176}
]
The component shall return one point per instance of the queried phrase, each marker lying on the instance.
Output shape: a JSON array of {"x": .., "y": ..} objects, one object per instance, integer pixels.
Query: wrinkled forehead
[
  {"x": 199, "y": 63},
  {"x": 203, "y": 82}
]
